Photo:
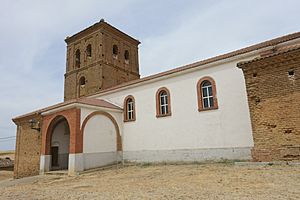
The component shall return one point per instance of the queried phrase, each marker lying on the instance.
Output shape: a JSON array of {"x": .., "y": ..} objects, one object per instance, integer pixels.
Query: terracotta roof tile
[
  {"x": 275, "y": 52},
  {"x": 96, "y": 102},
  {"x": 95, "y": 27},
  {"x": 86, "y": 101},
  {"x": 265, "y": 44}
]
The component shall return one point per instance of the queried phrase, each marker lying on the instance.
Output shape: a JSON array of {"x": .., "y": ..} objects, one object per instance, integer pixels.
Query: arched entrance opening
[{"x": 59, "y": 144}]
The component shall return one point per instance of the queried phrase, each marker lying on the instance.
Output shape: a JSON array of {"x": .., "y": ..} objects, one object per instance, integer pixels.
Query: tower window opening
[
  {"x": 89, "y": 51},
  {"x": 77, "y": 58},
  {"x": 82, "y": 81},
  {"x": 115, "y": 51},
  {"x": 126, "y": 55}
]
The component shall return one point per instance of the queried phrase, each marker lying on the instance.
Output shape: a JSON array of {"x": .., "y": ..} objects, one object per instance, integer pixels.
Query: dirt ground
[
  {"x": 5, "y": 175},
  {"x": 193, "y": 181}
]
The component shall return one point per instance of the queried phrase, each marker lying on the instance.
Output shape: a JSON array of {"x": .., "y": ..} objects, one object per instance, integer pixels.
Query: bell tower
[{"x": 99, "y": 57}]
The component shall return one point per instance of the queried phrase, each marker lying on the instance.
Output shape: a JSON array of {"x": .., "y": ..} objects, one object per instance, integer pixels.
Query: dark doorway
[
  {"x": 60, "y": 141},
  {"x": 54, "y": 153}
]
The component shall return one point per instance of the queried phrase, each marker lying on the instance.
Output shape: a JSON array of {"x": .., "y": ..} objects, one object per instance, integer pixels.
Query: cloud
[
  {"x": 221, "y": 28},
  {"x": 173, "y": 33},
  {"x": 32, "y": 54}
]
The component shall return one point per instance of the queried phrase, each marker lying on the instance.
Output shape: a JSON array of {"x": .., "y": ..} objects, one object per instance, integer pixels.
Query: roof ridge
[
  {"x": 264, "y": 44},
  {"x": 241, "y": 51},
  {"x": 101, "y": 22},
  {"x": 279, "y": 51},
  {"x": 82, "y": 100}
]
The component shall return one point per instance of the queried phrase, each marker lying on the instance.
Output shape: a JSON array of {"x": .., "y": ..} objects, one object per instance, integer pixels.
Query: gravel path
[
  {"x": 206, "y": 181},
  {"x": 5, "y": 175}
]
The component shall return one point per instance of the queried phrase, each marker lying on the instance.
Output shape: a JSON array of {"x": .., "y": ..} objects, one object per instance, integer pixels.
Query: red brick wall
[{"x": 73, "y": 118}]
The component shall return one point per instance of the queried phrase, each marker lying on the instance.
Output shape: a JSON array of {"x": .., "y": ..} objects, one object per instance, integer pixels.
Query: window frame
[
  {"x": 166, "y": 105},
  {"x": 125, "y": 107},
  {"x": 200, "y": 94}
]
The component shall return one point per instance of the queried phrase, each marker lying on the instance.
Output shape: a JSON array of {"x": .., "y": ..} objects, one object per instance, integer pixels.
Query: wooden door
[{"x": 54, "y": 153}]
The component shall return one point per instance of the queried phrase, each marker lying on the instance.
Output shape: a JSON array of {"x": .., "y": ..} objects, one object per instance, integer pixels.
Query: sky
[{"x": 172, "y": 33}]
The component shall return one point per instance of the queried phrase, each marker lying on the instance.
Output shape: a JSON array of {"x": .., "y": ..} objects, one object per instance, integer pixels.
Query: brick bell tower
[{"x": 99, "y": 57}]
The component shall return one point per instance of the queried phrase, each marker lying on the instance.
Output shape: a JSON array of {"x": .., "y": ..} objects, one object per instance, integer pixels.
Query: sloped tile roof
[
  {"x": 275, "y": 52},
  {"x": 255, "y": 47},
  {"x": 86, "y": 101}
]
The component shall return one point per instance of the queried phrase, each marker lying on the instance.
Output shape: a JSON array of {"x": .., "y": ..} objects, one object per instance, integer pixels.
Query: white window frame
[
  {"x": 208, "y": 96},
  {"x": 130, "y": 108},
  {"x": 163, "y": 107}
]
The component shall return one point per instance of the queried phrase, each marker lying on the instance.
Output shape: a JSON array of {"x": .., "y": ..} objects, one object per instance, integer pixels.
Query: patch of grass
[{"x": 146, "y": 164}]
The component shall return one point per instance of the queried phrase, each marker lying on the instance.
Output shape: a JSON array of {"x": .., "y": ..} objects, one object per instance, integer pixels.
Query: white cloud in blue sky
[{"x": 173, "y": 33}]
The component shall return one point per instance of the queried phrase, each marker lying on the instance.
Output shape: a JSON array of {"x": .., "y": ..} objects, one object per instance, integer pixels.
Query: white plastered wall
[
  {"x": 99, "y": 138},
  {"x": 214, "y": 134}
]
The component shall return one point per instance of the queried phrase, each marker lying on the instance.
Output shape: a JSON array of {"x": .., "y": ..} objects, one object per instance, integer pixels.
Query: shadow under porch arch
[{"x": 59, "y": 144}]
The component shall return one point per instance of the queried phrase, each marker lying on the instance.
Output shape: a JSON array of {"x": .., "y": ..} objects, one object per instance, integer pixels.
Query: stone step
[{"x": 57, "y": 172}]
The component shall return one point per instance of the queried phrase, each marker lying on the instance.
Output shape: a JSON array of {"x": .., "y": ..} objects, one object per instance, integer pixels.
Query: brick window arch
[
  {"x": 129, "y": 109},
  {"x": 207, "y": 94},
  {"x": 163, "y": 102}
]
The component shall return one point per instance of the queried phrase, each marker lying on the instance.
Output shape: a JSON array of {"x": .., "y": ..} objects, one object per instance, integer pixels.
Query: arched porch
[
  {"x": 64, "y": 129},
  {"x": 61, "y": 141}
]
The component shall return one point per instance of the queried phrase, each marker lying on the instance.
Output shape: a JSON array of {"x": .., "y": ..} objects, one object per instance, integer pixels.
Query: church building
[{"x": 196, "y": 112}]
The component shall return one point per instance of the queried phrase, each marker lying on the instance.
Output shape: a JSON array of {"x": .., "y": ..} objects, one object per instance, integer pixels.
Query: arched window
[
  {"x": 82, "y": 81},
  {"x": 89, "y": 50},
  {"x": 77, "y": 58},
  {"x": 163, "y": 102},
  {"x": 129, "y": 109},
  {"x": 81, "y": 88},
  {"x": 206, "y": 90},
  {"x": 126, "y": 55},
  {"x": 115, "y": 50}
]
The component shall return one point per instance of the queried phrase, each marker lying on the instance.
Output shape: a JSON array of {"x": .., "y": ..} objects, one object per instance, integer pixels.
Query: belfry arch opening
[
  {"x": 81, "y": 88},
  {"x": 59, "y": 144}
]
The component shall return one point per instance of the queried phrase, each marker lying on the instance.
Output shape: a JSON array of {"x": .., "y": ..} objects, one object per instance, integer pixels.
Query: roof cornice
[
  {"x": 253, "y": 50},
  {"x": 81, "y": 102},
  {"x": 97, "y": 26}
]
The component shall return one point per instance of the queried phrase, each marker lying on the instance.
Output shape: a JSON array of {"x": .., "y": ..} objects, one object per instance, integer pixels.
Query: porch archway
[{"x": 112, "y": 119}]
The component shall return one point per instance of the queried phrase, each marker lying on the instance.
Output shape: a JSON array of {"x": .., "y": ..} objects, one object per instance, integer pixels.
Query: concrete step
[{"x": 57, "y": 172}]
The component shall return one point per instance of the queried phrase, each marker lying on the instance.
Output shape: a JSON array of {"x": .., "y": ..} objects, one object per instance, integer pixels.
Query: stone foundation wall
[
  {"x": 273, "y": 89},
  {"x": 189, "y": 155}
]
